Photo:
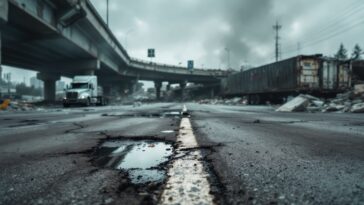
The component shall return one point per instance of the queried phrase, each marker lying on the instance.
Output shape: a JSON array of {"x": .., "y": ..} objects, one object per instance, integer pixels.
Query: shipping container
[{"x": 301, "y": 74}]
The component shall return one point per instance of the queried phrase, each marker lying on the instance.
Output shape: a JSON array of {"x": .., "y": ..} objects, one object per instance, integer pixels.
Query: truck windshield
[{"x": 79, "y": 85}]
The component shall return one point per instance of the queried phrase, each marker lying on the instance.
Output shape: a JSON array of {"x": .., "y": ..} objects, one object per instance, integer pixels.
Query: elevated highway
[{"x": 68, "y": 37}]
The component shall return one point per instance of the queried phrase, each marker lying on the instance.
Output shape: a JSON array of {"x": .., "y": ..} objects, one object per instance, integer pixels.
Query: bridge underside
[{"x": 36, "y": 41}]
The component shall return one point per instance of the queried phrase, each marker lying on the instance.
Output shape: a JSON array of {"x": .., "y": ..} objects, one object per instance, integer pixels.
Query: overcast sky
[{"x": 201, "y": 30}]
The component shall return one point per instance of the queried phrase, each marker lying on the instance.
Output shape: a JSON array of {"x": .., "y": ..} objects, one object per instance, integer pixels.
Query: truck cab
[{"x": 83, "y": 91}]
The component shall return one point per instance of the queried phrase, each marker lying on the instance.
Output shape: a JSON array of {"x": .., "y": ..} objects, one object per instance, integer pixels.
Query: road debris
[
  {"x": 16, "y": 105},
  {"x": 351, "y": 101},
  {"x": 4, "y": 104},
  {"x": 359, "y": 89},
  {"x": 297, "y": 104},
  {"x": 357, "y": 108},
  {"x": 219, "y": 101}
]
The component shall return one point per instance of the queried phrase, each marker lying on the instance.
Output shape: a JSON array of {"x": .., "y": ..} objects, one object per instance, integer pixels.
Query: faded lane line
[{"x": 187, "y": 183}]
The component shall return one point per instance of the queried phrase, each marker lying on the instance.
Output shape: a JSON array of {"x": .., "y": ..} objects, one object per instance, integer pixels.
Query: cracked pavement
[
  {"x": 48, "y": 161},
  {"x": 283, "y": 158},
  {"x": 253, "y": 154}
]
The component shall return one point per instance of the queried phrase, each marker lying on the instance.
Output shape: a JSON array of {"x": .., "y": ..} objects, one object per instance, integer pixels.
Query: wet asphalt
[
  {"x": 254, "y": 155},
  {"x": 266, "y": 157},
  {"x": 46, "y": 157}
]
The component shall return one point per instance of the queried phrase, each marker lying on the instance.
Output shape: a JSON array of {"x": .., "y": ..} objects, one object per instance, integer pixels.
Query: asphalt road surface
[{"x": 251, "y": 154}]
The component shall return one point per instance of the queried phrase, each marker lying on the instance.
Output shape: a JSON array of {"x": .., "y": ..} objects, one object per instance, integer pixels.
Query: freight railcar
[{"x": 313, "y": 74}]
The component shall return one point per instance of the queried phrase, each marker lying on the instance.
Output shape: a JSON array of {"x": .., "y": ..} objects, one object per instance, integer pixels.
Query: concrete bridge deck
[{"x": 68, "y": 37}]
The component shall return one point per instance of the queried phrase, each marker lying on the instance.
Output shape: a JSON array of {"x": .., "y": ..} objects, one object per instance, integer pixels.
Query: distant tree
[
  {"x": 342, "y": 53},
  {"x": 357, "y": 51}
]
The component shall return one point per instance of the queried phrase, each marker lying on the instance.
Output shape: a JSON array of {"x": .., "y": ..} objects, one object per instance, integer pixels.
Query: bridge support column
[
  {"x": 111, "y": 90},
  {"x": 131, "y": 87},
  {"x": 158, "y": 86},
  {"x": 49, "y": 85},
  {"x": 87, "y": 72},
  {"x": 182, "y": 86},
  {"x": 106, "y": 89},
  {"x": 122, "y": 87},
  {"x": 212, "y": 93},
  {"x": 168, "y": 87}
]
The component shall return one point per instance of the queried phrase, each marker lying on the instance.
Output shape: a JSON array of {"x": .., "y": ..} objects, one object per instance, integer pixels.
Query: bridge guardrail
[
  {"x": 155, "y": 66},
  {"x": 176, "y": 69}
]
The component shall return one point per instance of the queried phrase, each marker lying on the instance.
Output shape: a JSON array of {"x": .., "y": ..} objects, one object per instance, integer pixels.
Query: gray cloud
[
  {"x": 195, "y": 29},
  {"x": 201, "y": 29}
]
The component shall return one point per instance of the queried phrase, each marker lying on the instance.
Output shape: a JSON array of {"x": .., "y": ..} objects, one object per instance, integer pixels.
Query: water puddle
[
  {"x": 142, "y": 160},
  {"x": 172, "y": 114},
  {"x": 167, "y": 131}
]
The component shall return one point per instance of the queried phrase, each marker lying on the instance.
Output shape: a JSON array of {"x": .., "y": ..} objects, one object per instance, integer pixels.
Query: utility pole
[
  {"x": 277, "y": 27},
  {"x": 107, "y": 12},
  {"x": 298, "y": 48},
  {"x": 228, "y": 57}
]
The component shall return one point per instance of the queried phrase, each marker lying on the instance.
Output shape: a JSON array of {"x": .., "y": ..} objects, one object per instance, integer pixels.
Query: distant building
[{"x": 35, "y": 82}]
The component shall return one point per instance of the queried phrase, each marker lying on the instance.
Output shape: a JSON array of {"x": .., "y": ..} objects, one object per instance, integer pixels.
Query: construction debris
[
  {"x": 358, "y": 108},
  {"x": 15, "y": 105},
  {"x": 359, "y": 89},
  {"x": 4, "y": 104},
  {"x": 233, "y": 101},
  {"x": 297, "y": 104},
  {"x": 352, "y": 101}
]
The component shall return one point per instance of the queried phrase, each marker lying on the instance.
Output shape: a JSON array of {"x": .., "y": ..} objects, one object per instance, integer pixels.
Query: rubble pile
[
  {"x": 352, "y": 101},
  {"x": 233, "y": 101},
  {"x": 13, "y": 105}
]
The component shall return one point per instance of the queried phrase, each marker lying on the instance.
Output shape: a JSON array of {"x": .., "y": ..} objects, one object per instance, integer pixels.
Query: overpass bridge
[{"x": 68, "y": 37}]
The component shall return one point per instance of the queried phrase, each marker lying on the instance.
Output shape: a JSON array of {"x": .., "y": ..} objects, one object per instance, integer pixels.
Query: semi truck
[{"x": 84, "y": 91}]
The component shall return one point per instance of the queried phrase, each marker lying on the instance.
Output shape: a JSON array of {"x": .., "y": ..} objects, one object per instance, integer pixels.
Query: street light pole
[{"x": 107, "y": 12}]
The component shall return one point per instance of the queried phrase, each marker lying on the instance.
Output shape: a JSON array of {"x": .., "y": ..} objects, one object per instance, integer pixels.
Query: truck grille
[{"x": 72, "y": 95}]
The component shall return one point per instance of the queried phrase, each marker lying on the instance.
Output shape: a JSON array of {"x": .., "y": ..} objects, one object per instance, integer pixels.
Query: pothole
[
  {"x": 167, "y": 131},
  {"x": 24, "y": 123},
  {"x": 143, "y": 160},
  {"x": 171, "y": 114}
]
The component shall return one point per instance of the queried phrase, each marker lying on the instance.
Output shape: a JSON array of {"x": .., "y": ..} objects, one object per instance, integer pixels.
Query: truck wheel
[
  {"x": 100, "y": 101},
  {"x": 87, "y": 102},
  {"x": 257, "y": 100}
]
